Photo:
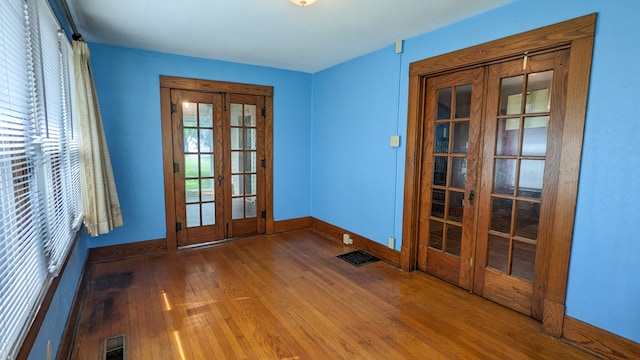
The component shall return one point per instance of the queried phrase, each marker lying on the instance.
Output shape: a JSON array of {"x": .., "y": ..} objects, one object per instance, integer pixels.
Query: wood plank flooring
[{"x": 287, "y": 296}]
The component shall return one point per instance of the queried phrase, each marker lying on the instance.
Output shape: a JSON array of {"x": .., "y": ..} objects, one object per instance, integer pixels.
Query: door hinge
[
  {"x": 178, "y": 226},
  {"x": 264, "y": 112},
  {"x": 263, "y": 214},
  {"x": 174, "y": 108},
  {"x": 263, "y": 163},
  {"x": 176, "y": 167}
]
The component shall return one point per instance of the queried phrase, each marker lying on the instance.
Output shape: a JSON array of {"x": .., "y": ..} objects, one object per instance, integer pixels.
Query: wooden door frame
[
  {"x": 168, "y": 83},
  {"x": 577, "y": 34}
]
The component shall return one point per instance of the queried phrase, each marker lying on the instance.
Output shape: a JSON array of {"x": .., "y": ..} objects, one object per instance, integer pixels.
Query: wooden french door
[
  {"x": 447, "y": 222},
  {"x": 489, "y": 177},
  {"x": 218, "y": 157},
  {"x": 522, "y": 146}
]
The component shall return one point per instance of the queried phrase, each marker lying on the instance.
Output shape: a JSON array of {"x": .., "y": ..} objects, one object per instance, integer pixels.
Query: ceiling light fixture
[{"x": 303, "y": 2}]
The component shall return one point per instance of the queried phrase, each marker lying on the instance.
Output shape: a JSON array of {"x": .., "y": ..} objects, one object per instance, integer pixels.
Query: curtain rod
[{"x": 65, "y": 8}]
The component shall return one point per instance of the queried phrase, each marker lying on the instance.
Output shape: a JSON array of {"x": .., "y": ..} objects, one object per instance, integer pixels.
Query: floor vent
[{"x": 115, "y": 348}]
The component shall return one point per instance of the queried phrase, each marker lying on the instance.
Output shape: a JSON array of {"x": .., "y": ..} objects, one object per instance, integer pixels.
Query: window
[{"x": 39, "y": 162}]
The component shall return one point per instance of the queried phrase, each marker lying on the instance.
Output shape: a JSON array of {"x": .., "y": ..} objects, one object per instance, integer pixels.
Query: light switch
[{"x": 395, "y": 141}]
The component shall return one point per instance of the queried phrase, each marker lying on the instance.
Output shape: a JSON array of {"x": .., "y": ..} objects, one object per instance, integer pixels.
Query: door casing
[
  {"x": 578, "y": 36},
  {"x": 167, "y": 83}
]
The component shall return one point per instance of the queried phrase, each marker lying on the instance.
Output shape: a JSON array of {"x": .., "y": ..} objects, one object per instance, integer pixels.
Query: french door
[
  {"x": 447, "y": 223},
  {"x": 493, "y": 137},
  {"x": 218, "y": 165}
]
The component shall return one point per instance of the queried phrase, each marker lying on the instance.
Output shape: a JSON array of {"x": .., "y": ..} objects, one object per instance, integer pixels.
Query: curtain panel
[{"x": 100, "y": 198}]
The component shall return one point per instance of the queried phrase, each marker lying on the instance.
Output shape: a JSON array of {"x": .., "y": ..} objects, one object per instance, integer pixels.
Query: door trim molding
[
  {"x": 168, "y": 83},
  {"x": 577, "y": 34}
]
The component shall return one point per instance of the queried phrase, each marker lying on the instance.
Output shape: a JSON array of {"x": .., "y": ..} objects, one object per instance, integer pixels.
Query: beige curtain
[{"x": 99, "y": 196}]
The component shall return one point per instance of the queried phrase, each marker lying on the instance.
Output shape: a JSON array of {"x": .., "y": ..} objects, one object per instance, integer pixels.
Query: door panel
[
  {"x": 446, "y": 225},
  {"x": 245, "y": 156},
  {"x": 198, "y": 166},
  {"x": 519, "y": 178}
]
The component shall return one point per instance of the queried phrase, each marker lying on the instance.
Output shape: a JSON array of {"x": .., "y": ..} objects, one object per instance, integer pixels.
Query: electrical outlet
[
  {"x": 346, "y": 239},
  {"x": 394, "y": 141},
  {"x": 391, "y": 243}
]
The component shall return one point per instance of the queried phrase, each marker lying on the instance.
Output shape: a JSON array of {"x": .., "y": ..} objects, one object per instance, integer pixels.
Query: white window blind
[{"x": 39, "y": 167}]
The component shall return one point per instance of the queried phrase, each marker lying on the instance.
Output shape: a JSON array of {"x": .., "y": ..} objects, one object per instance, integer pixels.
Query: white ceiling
[{"x": 274, "y": 33}]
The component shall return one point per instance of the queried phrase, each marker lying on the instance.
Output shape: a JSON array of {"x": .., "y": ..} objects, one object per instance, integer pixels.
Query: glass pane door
[
  {"x": 198, "y": 165},
  {"x": 245, "y": 154},
  {"x": 453, "y": 114},
  {"x": 519, "y": 176}
]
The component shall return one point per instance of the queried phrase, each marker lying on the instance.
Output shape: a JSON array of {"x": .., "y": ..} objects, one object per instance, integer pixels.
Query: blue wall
[
  {"x": 128, "y": 86},
  {"x": 56, "y": 318},
  {"x": 355, "y": 111}
]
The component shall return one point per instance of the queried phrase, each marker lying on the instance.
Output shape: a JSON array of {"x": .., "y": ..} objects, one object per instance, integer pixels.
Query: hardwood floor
[{"x": 287, "y": 296}]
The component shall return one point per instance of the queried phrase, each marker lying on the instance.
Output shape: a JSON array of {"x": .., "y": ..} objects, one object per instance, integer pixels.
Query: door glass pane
[
  {"x": 208, "y": 214},
  {"x": 531, "y": 177},
  {"x": 206, "y": 165},
  {"x": 458, "y": 172},
  {"x": 191, "y": 166},
  {"x": 206, "y": 115},
  {"x": 206, "y": 140},
  {"x": 524, "y": 260},
  {"x": 501, "y": 215},
  {"x": 456, "y": 206},
  {"x": 463, "y": 101},
  {"x": 505, "y": 176},
  {"x": 498, "y": 256},
  {"x": 207, "y": 190},
  {"x": 249, "y": 115},
  {"x": 192, "y": 191},
  {"x": 508, "y": 136},
  {"x": 460, "y": 137},
  {"x": 435, "y": 234},
  {"x": 236, "y": 115},
  {"x": 250, "y": 203},
  {"x": 454, "y": 239},
  {"x": 250, "y": 139},
  {"x": 193, "y": 215},
  {"x": 189, "y": 114},
  {"x": 237, "y": 208},
  {"x": 440, "y": 170},
  {"x": 442, "y": 138},
  {"x": 236, "y": 162},
  {"x": 437, "y": 203},
  {"x": 511, "y": 95},
  {"x": 236, "y": 139},
  {"x": 444, "y": 104},
  {"x": 527, "y": 219},
  {"x": 237, "y": 185},
  {"x": 250, "y": 184},
  {"x": 534, "y": 141},
  {"x": 538, "y": 92},
  {"x": 250, "y": 161},
  {"x": 190, "y": 139}
]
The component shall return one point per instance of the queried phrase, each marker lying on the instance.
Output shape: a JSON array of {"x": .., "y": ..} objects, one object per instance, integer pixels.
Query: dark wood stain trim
[
  {"x": 214, "y": 86},
  {"x": 268, "y": 154},
  {"x": 291, "y": 224},
  {"x": 599, "y": 341},
  {"x": 376, "y": 249},
  {"x": 32, "y": 334},
  {"x": 121, "y": 251},
  {"x": 547, "y": 37}
]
